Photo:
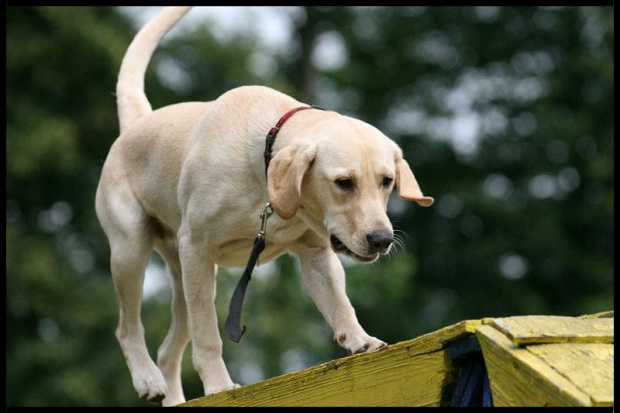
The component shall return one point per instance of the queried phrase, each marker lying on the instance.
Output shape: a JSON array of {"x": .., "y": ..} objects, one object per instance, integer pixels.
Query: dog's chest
[{"x": 233, "y": 250}]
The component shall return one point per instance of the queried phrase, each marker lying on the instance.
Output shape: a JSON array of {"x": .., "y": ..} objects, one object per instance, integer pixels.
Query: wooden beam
[
  {"x": 410, "y": 373},
  {"x": 530, "y": 360},
  {"x": 549, "y": 361}
]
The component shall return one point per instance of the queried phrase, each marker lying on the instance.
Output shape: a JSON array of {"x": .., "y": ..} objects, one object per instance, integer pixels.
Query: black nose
[{"x": 379, "y": 240}]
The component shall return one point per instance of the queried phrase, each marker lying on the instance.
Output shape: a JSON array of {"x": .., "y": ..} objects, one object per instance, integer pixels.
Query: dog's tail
[{"x": 130, "y": 97}]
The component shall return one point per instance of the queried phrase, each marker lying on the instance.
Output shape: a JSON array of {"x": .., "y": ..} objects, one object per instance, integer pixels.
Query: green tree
[{"x": 506, "y": 117}]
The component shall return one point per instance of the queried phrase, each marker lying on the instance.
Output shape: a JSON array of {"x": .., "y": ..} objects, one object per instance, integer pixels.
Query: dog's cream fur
[{"x": 188, "y": 181}]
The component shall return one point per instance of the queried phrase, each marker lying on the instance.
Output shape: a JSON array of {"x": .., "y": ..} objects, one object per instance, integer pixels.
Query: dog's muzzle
[{"x": 339, "y": 247}]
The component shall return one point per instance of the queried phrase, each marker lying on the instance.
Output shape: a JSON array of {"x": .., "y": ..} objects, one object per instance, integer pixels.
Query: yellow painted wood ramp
[
  {"x": 531, "y": 361},
  {"x": 550, "y": 361}
]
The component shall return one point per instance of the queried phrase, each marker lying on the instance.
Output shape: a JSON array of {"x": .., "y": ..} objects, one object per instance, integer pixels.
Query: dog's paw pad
[
  {"x": 362, "y": 349},
  {"x": 156, "y": 398}
]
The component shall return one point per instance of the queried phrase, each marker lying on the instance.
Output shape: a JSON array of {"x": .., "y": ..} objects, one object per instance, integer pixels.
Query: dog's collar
[{"x": 273, "y": 132}]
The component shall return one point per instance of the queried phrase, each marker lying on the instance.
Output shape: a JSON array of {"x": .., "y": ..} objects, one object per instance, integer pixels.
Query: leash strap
[{"x": 233, "y": 321}]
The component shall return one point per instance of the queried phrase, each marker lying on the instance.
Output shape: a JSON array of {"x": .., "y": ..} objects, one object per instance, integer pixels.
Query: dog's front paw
[
  {"x": 150, "y": 387},
  {"x": 216, "y": 389},
  {"x": 359, "y": 343}
]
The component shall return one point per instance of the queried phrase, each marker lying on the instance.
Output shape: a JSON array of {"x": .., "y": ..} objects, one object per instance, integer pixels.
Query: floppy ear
[
  {"x": 284, "y": 177},
  {"x": 407, "y": 186}
]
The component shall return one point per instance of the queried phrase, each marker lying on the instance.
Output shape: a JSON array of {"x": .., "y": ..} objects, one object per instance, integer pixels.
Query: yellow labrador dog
[{"x": 188, "y": 180}]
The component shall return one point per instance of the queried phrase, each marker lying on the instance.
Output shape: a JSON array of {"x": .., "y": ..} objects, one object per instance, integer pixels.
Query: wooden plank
[
  {"x": 520, "y": 378},
  {"x": 603, "y": 314},
  {"x": 389, "y": 378},
  {"x": 556, "y": 329},
  {"x": 604, "y": 325},
  {"x": 589, "y": 366},
  {"x": 409, "y": 373}
]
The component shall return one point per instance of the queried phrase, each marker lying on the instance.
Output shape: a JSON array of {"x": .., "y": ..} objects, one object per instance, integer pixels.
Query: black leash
[{"x": 233, "y": 322}]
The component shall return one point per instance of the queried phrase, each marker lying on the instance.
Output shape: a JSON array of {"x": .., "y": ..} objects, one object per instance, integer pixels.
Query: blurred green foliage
[{"x": 505, "y": 115}]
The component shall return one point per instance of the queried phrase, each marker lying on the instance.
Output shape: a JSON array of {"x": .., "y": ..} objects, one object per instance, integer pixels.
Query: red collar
[{"x": 271, "y": 136}]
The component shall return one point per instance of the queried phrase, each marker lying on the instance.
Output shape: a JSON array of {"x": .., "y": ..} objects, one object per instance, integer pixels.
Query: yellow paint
[
  {"x": 518, "y": 378},
  {"x": 589, "y": 366},
  {"x": 531, "y": 361},
  {"x": 409, "y": 373},
  {"x": 549, "y": 361},
  {"x": 395, "y": 378},
  {"x": 554, "y": 329}
]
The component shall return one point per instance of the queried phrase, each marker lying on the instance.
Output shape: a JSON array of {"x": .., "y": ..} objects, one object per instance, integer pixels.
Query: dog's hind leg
[
  {"x": 131, "y": 241},
  {"x": 170, "y": 354},
  {"x": 128, "y": 264}
]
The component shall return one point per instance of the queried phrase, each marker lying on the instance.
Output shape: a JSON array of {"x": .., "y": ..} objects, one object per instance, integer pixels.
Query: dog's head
[{"x": 338, "y": 177}]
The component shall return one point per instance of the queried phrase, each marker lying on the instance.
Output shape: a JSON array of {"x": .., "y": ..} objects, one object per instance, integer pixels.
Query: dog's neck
[{"x": 273, "y": 132}]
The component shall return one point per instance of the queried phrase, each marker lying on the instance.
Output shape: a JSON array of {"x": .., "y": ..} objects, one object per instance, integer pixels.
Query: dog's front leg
[
  {"x": 199, "y": 288},
  {"x": 323, "y": 276}
]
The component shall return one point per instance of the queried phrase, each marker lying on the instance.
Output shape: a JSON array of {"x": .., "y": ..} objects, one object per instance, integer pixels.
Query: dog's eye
[
  {"x": 344, "y": 183},
  {"x": 386, "y": 182}
]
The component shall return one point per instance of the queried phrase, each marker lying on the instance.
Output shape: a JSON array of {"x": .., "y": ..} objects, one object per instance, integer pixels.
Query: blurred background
[{"x": 505, "y": 115}]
